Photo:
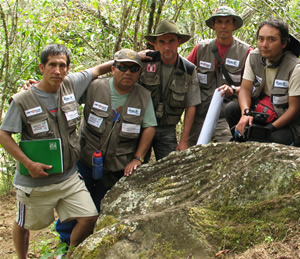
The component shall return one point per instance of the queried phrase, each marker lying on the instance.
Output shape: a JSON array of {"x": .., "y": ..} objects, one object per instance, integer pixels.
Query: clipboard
[{"x": 45, "y": 151}]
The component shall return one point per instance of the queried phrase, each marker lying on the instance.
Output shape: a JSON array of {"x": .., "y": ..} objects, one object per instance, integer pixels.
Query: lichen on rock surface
[{"x": 196, "y": 202}]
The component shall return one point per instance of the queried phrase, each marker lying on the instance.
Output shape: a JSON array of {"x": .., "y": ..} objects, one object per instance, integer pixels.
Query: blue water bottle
[{"x": 97, "y": 165}]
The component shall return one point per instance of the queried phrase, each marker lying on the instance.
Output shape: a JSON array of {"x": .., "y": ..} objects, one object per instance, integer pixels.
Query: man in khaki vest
[
  {"x": 213, "y": 58},
  {"x": 49, "y": 110},
  {"x": 174, "y": 88},
  {"x": 119, "y": 121},
  {"x": 272, "y": 72}
]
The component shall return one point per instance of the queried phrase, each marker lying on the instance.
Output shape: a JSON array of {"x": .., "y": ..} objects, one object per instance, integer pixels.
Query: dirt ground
[
  {"x": 39, "y": 240},
  {"x": 47, "y": 239}
]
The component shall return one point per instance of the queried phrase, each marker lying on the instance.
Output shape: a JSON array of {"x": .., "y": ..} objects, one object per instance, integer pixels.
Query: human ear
[{"x": 41, "y": 67}]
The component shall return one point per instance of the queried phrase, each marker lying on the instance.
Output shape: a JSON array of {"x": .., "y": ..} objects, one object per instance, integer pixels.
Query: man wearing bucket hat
[
  {"x": 119, "y": 121},
  {"x": 174, "y": 88},
  {"x": 220, "y": 64},
  {"x": 272, "y": 72}
]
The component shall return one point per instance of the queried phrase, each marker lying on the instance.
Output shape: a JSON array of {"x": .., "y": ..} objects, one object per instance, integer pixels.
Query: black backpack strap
[{"x": 214, "y": 49}]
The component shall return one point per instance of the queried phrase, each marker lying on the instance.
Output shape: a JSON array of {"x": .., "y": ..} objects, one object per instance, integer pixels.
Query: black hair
[
  {"x": 54, "y": 50},
  {"x": 278, "y": 24}
]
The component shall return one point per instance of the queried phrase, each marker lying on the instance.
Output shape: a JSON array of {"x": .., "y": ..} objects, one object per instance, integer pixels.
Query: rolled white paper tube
[{"x": 211, "y": 118}]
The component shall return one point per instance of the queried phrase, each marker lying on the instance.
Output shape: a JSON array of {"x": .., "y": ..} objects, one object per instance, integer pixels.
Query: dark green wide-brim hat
[
  {"x": 167, "y": 27},
  {"x": 224, "y": 11}
]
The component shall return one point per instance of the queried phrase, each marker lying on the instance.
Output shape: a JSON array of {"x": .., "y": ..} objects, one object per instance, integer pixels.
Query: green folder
[{"x": 45, "y": 151}]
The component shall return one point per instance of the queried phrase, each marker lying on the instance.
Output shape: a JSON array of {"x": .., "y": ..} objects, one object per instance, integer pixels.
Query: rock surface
[{"x": 195, "y": 203}]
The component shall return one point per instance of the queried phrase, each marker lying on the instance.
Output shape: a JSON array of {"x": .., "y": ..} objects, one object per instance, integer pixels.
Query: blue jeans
[{"x": 97, "y": 191}]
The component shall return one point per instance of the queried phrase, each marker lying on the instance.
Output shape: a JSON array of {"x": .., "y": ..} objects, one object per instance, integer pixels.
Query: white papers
[{"x": 211, "y": 118}]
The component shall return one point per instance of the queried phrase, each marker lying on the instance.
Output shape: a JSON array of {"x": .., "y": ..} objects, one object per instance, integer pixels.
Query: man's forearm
[
  {"x": 290, "y": 114},
  {"x": 244, "y": 96},
  {"x": 102, "y": 69},
  {"x": 12, "y": 148},
  {"x": 145, "y": 142}
]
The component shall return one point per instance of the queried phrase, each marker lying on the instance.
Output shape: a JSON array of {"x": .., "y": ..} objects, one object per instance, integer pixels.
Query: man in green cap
[
  {"x": 174, "y": 88},
  {"x": 220, "y": 64}
]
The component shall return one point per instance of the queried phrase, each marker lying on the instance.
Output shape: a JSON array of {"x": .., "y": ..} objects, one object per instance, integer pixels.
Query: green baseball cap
[
  {"x": 167, "y": 27},
  {"x": 224, "y": 11},
  {"x": 128, "y": 55}
]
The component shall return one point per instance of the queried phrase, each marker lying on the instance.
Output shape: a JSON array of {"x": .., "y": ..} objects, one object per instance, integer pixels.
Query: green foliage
[{"x": 49, "y": 245}]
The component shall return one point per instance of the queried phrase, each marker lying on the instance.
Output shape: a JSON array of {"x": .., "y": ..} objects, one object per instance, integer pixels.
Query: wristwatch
[
  {"x": 233, "y": 88},
  {"x": 139, "y": 159},
  {"x": 246, "y": 111}
]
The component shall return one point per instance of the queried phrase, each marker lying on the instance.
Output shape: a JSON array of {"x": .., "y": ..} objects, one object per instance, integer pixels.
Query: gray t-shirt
[{"x": 13, "y": 123}]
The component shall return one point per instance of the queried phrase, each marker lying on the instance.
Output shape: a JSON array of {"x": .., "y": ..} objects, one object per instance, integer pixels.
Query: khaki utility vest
[
  {"x": 234, "y": 62},
  {"x": 59, "y": 127},
  {"x": 172, "y": 102},
  {"x": 279, "y": 92},
  {"x": 117, "y": 141}
]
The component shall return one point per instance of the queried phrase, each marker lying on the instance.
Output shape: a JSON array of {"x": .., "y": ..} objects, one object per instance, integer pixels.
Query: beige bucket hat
[{"x": 222, "y": 12}]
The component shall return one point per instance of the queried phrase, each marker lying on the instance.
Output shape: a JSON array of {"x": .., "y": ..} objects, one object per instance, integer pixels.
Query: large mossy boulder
[{"x": 195, "y": 203}]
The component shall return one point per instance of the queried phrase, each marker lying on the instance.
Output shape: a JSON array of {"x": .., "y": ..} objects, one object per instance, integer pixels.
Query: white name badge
[
  {"x": 95, "y": 120},
  {"x": 71, "y": 115},
  {"x": 202, "y": 78},
  {"x": 259, "y": 79},
  {"x": 281, "y": 83},
  {"x": 134, "y": 111},
  {"x": 131, "y": 128},
  {"x": 280, "y": 99},
  {"x": 100, "y": 106},
  {"x": 68, "y": 98},
  {"x": 39, "y": 127},
  {"x": 33, "y": 111},
  {"x": 232, "y": 62},
  {"x": 205, "y": 64}
]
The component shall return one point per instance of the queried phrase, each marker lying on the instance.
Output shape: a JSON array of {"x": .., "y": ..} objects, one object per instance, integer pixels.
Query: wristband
[
  {"x": 139, "y": 159},
  {"x": 246, "y": 111}
]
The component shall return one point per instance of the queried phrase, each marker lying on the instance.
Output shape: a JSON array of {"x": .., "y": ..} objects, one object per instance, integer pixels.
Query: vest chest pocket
[
  {"x": 235, "y": 74},
  {"x": 150, "y": 80},
  {"x": 40, "y": 125},
  {"x": 97, "y": 120},
  {"x": 131, "y": 127},
  {"x": 70, "y": 111},
  {"x": 178, "y": 90},
  {"x": 279, "y": 97},
  {"x": 207, "y": 82}
]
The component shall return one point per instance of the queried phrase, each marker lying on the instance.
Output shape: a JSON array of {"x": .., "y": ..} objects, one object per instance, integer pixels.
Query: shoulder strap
[
  {"x": 214, "y": 50},
  {"x": 186, "y": 65}
]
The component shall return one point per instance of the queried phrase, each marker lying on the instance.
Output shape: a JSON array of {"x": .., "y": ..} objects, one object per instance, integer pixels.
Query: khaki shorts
[{"x": 70, "y": 199}]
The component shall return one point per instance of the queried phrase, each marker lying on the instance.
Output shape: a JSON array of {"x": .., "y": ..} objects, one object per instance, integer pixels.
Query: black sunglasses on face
[{"x": 124, "y": 68}]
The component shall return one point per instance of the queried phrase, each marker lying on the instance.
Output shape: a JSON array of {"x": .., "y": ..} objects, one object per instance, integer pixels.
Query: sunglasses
[{"x": 124, "y": 68}]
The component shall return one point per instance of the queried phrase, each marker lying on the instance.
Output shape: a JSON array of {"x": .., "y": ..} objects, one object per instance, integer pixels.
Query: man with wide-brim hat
[
  {"x": 167, "y": 27},
  {"x": 174, "y": 88},
  {"x": 225, "y": 11},
  {"x": 220, "y": 64}
]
